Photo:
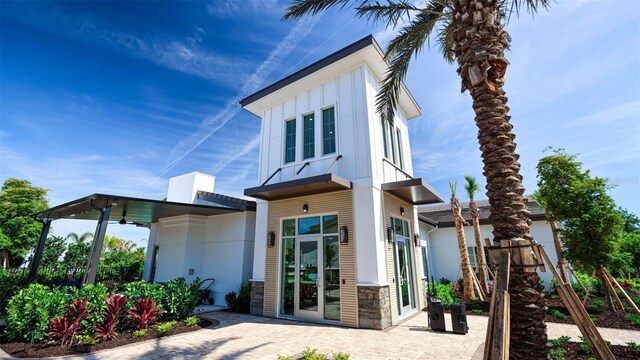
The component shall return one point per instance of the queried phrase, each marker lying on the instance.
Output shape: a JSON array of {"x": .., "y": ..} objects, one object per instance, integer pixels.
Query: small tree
[
  {"x": 472, "y": 187},
  {"x": 563, "y": 266},
  {"x": 467, "y": 280},
  {"x": 590, "y": 225}
]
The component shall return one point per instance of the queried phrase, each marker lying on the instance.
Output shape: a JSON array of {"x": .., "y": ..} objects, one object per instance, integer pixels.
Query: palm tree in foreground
[
  {"x": 467, "y": 281},
  {"x": 472, "y": 187},
  {"x": 471, "y": 32}
]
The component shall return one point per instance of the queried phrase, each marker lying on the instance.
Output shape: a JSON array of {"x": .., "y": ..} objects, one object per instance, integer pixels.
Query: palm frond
[
  {"x": 452, "y": 186},
  {"x": 408, "y": 43},
  {"x": 471, "y": 186},
  {"x": 391, "y": 13},
  {"x": 446, "y": 40},
  {"x": 515, "y": 6},
  {"x": 300, "y": 8}
]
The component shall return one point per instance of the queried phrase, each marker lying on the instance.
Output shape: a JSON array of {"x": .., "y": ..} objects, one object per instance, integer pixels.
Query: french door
[
  {"x": 309, "y": 289},
  {"x": 404, "y": 267}
]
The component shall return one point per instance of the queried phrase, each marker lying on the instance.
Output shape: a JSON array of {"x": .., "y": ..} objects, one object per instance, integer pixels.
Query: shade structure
[
  {"x": 414, "y": 191},
  {"x": 300, "y": 187}
]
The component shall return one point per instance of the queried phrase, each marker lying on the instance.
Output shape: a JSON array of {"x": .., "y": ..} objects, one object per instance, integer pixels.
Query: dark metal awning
[
  {"x": 414, "y": 191},
  {"x": 300, "y": 187},
  {"x": 138, "y": 211}
]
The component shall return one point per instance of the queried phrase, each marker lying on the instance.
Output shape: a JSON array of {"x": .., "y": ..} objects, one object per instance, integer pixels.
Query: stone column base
[
  {"x": 374, "y": 306},
  {"x": 257, "y": 297}
]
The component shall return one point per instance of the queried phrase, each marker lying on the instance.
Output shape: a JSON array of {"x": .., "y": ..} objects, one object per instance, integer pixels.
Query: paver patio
[{"x": 249, "y": 337}]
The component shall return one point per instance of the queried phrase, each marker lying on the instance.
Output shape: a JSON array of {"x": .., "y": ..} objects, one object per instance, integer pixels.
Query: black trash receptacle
[
  {"x": 459, "y": 319},
  {"x": 436, "y": 315}
]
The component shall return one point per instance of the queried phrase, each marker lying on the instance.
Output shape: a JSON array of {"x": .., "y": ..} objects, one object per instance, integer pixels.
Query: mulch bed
[
  {"x": 619, "y": 351},
  {"x": 23, "y": 350},
  {"x": 608, "y": 319}
]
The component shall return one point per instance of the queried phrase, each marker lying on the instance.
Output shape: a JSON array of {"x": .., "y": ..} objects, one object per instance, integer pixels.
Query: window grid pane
[
  {"x": 400, "y": 150},
  {"x": 309, "y": 136},
  {"x": 385, "y": 145},
  {"x": 393, "y": 143},
  {"x": 290, "y": 138},
  {"x": 328, "y": 131}
]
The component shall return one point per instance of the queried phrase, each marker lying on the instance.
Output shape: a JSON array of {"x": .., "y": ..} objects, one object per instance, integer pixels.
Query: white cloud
[{"x": 231, "y": 8}]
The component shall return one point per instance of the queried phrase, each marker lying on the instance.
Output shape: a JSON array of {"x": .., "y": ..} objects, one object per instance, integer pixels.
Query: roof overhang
[
  {"x": 139, "y": 211},
  {"x": 299, "y": 187},
  {"x": 414, "y": 191},
  {"x": 365, "y": 51}
]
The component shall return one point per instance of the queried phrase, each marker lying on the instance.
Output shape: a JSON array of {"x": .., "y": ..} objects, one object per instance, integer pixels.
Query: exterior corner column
[
  {"x": 96, "y": 246},
  {"x": 37, "y": 256}
]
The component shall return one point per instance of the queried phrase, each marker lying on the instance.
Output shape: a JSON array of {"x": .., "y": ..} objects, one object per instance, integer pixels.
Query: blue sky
[{"x": 117, "y": 97}]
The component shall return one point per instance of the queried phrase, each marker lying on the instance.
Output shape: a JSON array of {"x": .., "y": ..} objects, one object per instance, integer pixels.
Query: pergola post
[
  {"x": 96, "y": 246},
  {"x": 37, "y": 256}
]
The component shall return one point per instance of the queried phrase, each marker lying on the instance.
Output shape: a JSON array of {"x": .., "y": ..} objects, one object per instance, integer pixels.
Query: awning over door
[
  {"x": 299, "y": 187},
  {"x": 414, "y": 191}
]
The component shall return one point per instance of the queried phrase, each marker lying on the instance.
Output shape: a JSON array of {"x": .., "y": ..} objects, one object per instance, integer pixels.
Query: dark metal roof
[
  {"x": 340, "y": 54},
  {"x": 441, "y": 216},
  {"x": 300, "y": 187},
  {"x": 224, "y": 200},
  {"x": 414, "y": 191},
  {"x": 138, "y": 211}
]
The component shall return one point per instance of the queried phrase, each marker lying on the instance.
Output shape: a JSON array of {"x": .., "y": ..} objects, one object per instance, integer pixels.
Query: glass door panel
[
  {"x": 331, "y": 278},
  {"x": 309, "y": 275},
  {"x": 288, "y": 276}
]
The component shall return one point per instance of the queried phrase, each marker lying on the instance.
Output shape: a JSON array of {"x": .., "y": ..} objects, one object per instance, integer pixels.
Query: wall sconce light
[
  {"x": 344, "y": 235},
  {"x": 391, "y": 235},
  {"x": 416, "y": 238},
  {"x": 402, "y": 211},
  {"x": 305, "y": 208},
  {"x": 271, "y": 239}
]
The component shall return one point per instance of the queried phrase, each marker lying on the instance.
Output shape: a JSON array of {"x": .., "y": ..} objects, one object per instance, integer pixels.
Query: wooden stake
[
  {"x": 476, "y": 283},
  {"x": 611, "y": 289},
  {"x": 577, "y": 279},
  {"x": 626, "y": 296},
  {"x": 496, "y": 345},
  {"x": 586, "y": 294}
]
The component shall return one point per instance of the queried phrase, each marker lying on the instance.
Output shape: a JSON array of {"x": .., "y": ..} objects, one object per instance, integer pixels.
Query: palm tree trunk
[
  {"x": 467, "y": 279},
  {"x": 482, "y": 261},
  {"x": 480, "y": 44},
  {"x": 562, "y": 263}
]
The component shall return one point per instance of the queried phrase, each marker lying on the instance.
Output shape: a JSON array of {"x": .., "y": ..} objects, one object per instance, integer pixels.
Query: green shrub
[
  {"x": 181, "y": 298},
  {"x": 165, "y": 327},
  {"x": 95, "y": 295},
  {"x": 283, "y": 357},
  {"x": 240, "y": 301},
  {"x": 557, "y": 314},
  {"x": 192, "y": 320},
  {"x": 477, "y": 311},
  {"x": 312, "y": 354},
  {"x": 30, "y": 310},
  {"x": 596, "y": 307},
  {"x": 10, "y": 284},
  {"x": 557, "y": 354},
  {"x": 635, "y": 319},
  {"x": 584, "y": 347},
  {"x": 444, "y": 292},
  {"x": 445, "y": 281},
  {"x": 143, "y": 290},
  {"x": 85, "y": 340},
  {"x": 559, "y": 342},
  {"x": 125, "y": 266},
  {"x": 140, "y": 333},
  {"x": 634, "y": 346},
  {"x": 340, "y": 356}
]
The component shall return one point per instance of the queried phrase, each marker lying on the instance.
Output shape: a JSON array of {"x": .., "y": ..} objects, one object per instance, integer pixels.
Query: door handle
[{"x": 318, "y": 282}]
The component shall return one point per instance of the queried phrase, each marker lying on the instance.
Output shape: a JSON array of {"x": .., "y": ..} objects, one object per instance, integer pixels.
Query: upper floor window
[
  {"x": 328, "y": 131},
  {"x": 290, "y": 141},
  {"x": 400, "y": 157},
  {"x": 385, "y": 145},
  {"x": 392, "y": 144},
  {"x": 308, "y": 132}
]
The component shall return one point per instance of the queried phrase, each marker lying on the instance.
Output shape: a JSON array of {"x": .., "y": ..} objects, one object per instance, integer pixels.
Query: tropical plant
[
  {"x": 473, "y": 33},
  {"x": 472, "y": 187},
  {"x": 140, "y": 333},
  {"x": 114, "y": 304},
  {"x": 142, "y": 289},
  {"x": 123, "y": 265},
  {"x": 85, "y": 340},
  {"x": 30, "y": 310},
  {"x": 465, "y": 265},
  {"x": 192, "y": 320},
  {"x": 182, "y": 298},
  {"x": 165, "y": 327},
  {"x": 443, "y": 292},
  {"x": 75, "y": 257},
  {"x": 95, "y": 295},
  {"x": 144, "y": 313},
  {"x": 240, "y": 301},
  {"x": 65, "y": 327}
]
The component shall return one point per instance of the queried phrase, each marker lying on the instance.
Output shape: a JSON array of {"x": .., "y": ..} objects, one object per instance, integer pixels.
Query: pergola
[{"x": 124, "y": 210}]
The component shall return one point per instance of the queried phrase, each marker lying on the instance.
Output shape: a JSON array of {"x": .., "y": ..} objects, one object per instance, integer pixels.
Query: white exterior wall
[
  {"x": 444, "y": 256},
  {"x": 260, "y": 236},
  {"x": 183, "y": 188}
]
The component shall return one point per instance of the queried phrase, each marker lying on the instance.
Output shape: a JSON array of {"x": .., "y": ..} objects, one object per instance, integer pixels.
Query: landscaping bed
[
  {"x": 575, "y": 351},
  {"x": 36, "y": 350}
]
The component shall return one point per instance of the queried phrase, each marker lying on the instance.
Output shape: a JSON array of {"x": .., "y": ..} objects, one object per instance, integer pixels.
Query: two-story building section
[{"x": 337, "y": 236}]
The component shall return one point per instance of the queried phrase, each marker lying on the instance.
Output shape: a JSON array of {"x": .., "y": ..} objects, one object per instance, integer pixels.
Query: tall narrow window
[
  {"x": 400, "y": 160},
  {"x": 328, "y": 131},
  {"x": 308, "y": 142},
  {"x": 290, "y": 141},
  {"x": 393, "y": 143},
  {"x": 385, "y": 144}
]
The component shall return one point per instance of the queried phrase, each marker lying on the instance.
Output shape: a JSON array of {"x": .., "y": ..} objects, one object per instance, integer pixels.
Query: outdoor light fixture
[
  {"x": 391, "y": 235},
  {"x": 123, "y": 221},
  {"x": 344, "y": 234},
  {"x": 305, "y": 208},
  {"x": 402, "y": 211},
  {"x": 416, "y": 238},
  {"x": 271, "y": 239}
]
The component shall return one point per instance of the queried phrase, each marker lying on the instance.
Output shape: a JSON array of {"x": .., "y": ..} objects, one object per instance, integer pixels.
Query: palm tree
[
  {"x": 465, "y": 265},
  {"x": 80, "y": 238},
  {"x": 472, "y": 187},
  {"x": 471, "y": 32},
  {"x": 112, "y": 243}
]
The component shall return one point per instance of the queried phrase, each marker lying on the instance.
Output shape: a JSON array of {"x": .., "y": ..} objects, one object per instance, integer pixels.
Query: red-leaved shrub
[
  {"x": 107, "y": 330},
  {"x": 144, "y": 313},
  {"x": 65, "y": 327}
]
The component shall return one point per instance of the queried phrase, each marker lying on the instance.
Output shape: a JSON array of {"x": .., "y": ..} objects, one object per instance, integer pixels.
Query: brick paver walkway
[{"x": 249, "y": 337}]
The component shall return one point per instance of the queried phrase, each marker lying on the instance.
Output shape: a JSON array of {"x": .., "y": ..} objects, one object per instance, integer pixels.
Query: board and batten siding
[
  {"x": 340, "y": 202},
  {"x": 392, "y": 207}
]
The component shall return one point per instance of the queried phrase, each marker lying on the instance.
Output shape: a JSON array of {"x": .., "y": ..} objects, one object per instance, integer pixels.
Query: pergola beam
[
  {"x": 96, "y": 246},
  {"x": 37, "y": 256}
]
